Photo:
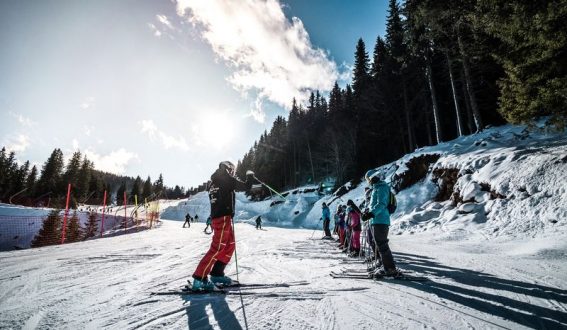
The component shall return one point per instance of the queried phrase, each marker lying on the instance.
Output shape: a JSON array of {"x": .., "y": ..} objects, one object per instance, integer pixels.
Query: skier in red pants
[{"x": 221, "y": 194}]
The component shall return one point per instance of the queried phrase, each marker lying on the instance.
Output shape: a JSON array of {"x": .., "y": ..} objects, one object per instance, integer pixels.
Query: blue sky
[{"x": 147, "y": 87}]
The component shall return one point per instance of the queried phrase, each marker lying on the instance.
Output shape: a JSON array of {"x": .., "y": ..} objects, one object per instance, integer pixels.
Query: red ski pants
[
  {"x": 341, "y": 236},
  {"x": 221, "y": 248},
  {"x": 355, "y": 239}
]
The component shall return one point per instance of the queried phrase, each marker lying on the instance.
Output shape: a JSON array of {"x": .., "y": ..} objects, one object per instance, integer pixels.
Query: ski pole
[
  {"x": 316, "y": 227},
  {"x": 272, "y": 189},
  {"x": 235, "y": 254}
]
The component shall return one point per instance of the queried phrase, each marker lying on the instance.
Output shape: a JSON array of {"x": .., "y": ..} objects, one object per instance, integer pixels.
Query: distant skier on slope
[
  {"x": 187, "y": 221},
  {"x": 326, "y": 216},
  {"x": 222, "y": 197},
  {"x": 379, "y": 217},
  {"x": 258, "y": 222}
]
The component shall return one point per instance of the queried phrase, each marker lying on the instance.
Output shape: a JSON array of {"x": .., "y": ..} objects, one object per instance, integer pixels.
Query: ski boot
[
  {"x": 203, "y": 286},
  {"x": 223, "y": 281},
  {"x": 387, "y": 273}
]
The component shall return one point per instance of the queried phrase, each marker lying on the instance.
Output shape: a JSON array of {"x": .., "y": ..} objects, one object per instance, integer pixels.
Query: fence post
[
  {"x": 103, "y": 209},
  {"x": 136, "y": 211},
  {"x": 125, "y": 214},
  {"x": 66, "y": 212}
]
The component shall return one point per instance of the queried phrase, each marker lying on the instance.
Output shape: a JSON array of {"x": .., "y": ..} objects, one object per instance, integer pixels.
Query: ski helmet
[
  {"x": 370, "y": 175},
  {"x": 228, "y": 166}
]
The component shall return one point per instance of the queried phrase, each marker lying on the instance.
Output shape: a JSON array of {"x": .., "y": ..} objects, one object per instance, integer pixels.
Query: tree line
[
  {"x": 442, "y": 70},
  {"x": 20, "y": 184}
]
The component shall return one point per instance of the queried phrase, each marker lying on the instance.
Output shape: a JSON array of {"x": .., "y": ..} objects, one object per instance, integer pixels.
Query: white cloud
[
  {"x": 115, "y": 162},
  {"x": 151, "y": 130},
  {"x": 75, "y": 144},
  {"x": 155, "y": 30},
  {"x": 269, "y": 54},
  {"x": 88, "y": 130},
  {"x": 88, "y": 103},
  {"x": 24, "y": 121},
  {"x": 163, "y": 20},
  {"x": 149, "y": 127},
  {"x": 18, "y": 143}
]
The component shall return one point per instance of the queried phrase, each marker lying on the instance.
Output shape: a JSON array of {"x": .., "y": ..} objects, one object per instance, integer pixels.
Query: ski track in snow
[{"x": 108, "y": 283}]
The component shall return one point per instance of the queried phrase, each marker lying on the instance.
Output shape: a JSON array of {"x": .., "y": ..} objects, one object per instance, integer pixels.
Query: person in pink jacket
[{"x": 354, "y": 214}]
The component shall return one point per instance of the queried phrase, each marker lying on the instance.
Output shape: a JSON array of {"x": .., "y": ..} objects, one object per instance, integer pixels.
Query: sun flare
[{"x": 215, "y": 130}]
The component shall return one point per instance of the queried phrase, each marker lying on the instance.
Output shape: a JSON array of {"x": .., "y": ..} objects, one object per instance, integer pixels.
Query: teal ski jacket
[{"x": 379, "y": 203}]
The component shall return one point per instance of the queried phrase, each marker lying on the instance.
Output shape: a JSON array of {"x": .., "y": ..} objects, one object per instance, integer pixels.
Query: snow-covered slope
[
  {"x": 494, "y": 252},
  {"x": 109, "y": 284}
]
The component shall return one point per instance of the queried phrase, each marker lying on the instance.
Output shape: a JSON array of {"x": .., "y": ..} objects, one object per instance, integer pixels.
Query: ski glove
[{"x": 367, "y": 216}]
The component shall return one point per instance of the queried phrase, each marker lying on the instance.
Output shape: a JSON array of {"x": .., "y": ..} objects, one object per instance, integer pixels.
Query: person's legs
[
  {"x": 220, "y": 251},
  {"x": 326, "y": 223},
  {"x": 356, "y": 240},
  {"x": 381, "y": 239}
]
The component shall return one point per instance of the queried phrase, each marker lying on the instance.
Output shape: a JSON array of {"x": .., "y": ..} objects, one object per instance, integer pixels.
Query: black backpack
[{"x": 392, "y": 203}]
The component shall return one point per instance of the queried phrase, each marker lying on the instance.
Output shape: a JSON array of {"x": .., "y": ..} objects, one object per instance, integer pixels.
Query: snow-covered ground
[
  {"x": 108, "y": 283},
  {"x": 495, "y": 257}
]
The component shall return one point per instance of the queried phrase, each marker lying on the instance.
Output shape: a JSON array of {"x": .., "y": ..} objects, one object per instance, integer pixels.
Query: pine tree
[
  {"x": 120, "y": 193},
  {"x": 158, "y": 186},
  {"x": 31, "y": 182},
  {"x": 50, "y": 179},
  {"x": 84, "y": 174},
  {"x": 72, "y": 172},
  {"x": 92, "y": 226},
  {"x": 10, "y": 169},
  {"x": 19, "y": 179},
  {"x": 74, "y": 231},
  {"x": 50, "y": 232},
  {"x": 533, "y": 54},
  {"x": 147, "y": 193},
  {"x": 137, "y": 187}
]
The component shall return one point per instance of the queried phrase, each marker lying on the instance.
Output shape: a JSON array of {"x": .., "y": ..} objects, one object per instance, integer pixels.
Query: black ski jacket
[{"x": 221, "y": 192}]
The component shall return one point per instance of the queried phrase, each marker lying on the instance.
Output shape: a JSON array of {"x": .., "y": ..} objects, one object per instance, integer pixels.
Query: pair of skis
[
  {"x": 232, "y": 289},
  {"x": 364, "y": 275}
]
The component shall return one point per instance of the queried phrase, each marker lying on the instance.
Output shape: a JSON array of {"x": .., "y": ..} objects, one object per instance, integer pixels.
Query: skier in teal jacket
[{"x": 379, "y": 217}]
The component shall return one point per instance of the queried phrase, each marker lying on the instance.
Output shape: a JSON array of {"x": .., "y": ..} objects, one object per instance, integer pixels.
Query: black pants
[
  {"x": 326, "y": 223},
  {"x": 187, "y": 223},
  {"x": 382, "y": 249}
]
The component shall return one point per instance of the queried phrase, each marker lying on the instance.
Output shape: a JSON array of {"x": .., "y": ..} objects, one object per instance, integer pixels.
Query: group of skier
[
  {"x": 348, "y": 226},
  {"x": 349, "y": 221},
  {"x": 189, "y": 219}
]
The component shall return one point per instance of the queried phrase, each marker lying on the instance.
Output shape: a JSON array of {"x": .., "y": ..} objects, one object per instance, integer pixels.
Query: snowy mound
[{"x": 506, "y": 181}]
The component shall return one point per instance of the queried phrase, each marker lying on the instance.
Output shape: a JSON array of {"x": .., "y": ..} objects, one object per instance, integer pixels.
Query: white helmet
[{"x": 228, "y": 166}]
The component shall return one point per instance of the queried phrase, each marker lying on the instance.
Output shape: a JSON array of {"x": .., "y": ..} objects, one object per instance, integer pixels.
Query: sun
[{"x": 216, "y": 130}]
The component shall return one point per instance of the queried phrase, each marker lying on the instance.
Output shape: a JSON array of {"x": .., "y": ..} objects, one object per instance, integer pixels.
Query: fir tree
[
  {"x": 74, "y": 230},
  {"x": 158, "y": 186},
  {"x": 137, "y": 187},
  {"x": 72, "y": 172},
  {"x": 120, "y": 193},
  {"x": 50, "y": 232},
  {"x": 50, "y": 179},
  {"x": 360, "y": 74},
  {"x": 533, "y": 54},
  {"x": 91, "y": 228},
  {"x": 148, "y": 189},
  {"x": 31, "y": 182}
]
